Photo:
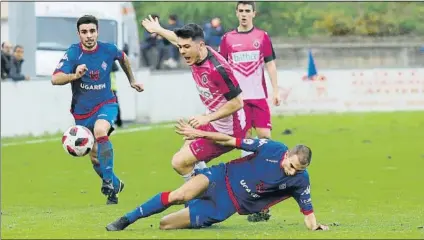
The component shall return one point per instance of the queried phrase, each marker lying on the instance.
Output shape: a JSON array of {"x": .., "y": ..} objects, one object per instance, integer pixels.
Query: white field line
[{"x": 116, "y": 132}]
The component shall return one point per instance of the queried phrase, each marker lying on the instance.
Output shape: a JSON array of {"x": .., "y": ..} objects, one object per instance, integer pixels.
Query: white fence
[{"x": 38, "y": 108}]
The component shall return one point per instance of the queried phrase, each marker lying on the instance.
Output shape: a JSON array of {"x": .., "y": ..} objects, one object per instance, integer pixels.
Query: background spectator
[
  {"x": 173, "y": 52},
  {"x": 150, "y": 41},
  {"x": 16, "y": 64},
  {"x": 214, "y": 32},
  {"x": 6, "y": 56}
]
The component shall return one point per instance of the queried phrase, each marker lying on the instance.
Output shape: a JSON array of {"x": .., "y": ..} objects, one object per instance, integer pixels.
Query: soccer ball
[{"x": 77, "y": 141}]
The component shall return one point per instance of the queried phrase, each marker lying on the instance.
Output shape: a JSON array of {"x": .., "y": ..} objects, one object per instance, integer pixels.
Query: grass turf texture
[{"x": 366, "y": 174}]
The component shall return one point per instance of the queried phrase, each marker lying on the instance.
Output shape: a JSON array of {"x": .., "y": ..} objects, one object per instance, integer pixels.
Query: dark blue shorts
[
  {"x": 108, "y": 112},
  {"x": 214, "y": 205}
]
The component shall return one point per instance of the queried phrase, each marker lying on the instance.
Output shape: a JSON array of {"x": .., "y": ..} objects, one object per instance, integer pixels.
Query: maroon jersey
[
  {"x": 247, "y": 53},
  {"x": 217, "y": 85}
]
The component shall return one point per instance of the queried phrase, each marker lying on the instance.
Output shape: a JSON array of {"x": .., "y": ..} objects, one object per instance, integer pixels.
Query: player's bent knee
[
  {"x": 264, "y": 133},
  {"x": 101, "y": 128},
  {"x": 179, "y": 163},
  {"x": 176, "y": 162},
  {"x": 177, "y": 197}
]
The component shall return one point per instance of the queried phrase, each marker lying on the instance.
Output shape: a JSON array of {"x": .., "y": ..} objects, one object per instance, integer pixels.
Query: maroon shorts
[
  {"x": 206, "y": 150},
  {"x": 258, "y": 114}
]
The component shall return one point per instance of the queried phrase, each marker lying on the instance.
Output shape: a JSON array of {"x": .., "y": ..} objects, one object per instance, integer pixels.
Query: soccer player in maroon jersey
[
  {"x": 218, "y": 90},
  {"x": 249, "y": 51}
]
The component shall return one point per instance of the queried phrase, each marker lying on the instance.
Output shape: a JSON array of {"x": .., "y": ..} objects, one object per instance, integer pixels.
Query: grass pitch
[{"x": 366, "y": 174}]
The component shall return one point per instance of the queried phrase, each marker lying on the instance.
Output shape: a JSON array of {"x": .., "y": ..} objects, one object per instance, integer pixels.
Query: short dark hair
[
  {"x": 17, "y": 46},
  {"x": 304, "y": 154},
  {"x": 87, "y": 19},
  {"x": 251, "y": 3},
  {"x": 191, "y": 30},
  {"x": 173, "y": 17}
]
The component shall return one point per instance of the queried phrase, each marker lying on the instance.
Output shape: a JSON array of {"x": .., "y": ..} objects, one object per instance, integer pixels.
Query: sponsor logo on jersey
[
  {"x": 248, "y": 141},
  {"x": 307, "y": 190},
  {"x": 94, "y": 75},
  {"x": 204, "y": 78},
  {"x": 256, "y": 44},
  {"x": 205, "y": 92},
  {"x": 246, "y": 56},
  {"x": 104, "y": 65},
  {"x": 244, "y": 185},
  {"x": 93, "y": 87}
]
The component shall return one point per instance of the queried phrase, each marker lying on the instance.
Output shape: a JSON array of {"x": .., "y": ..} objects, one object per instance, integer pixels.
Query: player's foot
[
  {"x": 118, "y": 225},
  {"x": 113, "y": 198},
  {"x": 259, "y": 217},
  {"x": 107, "y": 187}
]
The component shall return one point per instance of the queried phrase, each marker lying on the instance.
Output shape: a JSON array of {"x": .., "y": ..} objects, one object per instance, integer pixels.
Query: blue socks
[
  {"x": 157, "y": 204},
  {"x": 105, "y": 157},
  {"x": 99, "y": 172}
]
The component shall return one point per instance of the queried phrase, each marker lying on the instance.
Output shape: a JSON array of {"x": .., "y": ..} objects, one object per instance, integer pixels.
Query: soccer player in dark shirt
[{"x": 271, "y": 174}]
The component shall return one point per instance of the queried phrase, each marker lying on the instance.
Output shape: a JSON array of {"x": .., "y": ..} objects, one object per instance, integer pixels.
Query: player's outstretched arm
[
  {"x": 126, "y": 67},
  {"x": 189, "y": 133},
  {"x": 152, "y": 25},
  {"x": 311, "y": 223}
]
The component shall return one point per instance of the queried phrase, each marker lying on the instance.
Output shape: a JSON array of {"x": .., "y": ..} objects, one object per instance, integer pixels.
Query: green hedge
[{"x": 299, "y": 19}]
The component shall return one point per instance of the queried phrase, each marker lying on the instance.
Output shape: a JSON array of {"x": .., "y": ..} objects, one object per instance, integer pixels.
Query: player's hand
[
  {"x": 81, "y": 70},
  {"x": 198, "y": 121},
  {"x": 151, "y": 24},
  {"x": 276, "y": 98},
  {"x": 137, "y": 86},
  {"x": 322, "y": 228},
  {"x": 189, "y": 133}
]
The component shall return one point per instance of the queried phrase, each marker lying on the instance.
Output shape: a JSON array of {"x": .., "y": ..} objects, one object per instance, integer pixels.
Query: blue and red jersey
[
  {"x": 93, "y": 89},
  {"x": 258, "y": 181}
]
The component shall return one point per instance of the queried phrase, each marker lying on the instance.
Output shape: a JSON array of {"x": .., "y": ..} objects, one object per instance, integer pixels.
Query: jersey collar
[
  {"x": 206, "y": 58},
  {"x": 89, "y": 51}
]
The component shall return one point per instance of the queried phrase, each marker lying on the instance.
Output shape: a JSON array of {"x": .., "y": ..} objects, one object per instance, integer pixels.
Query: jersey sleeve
[
  {"x": 67, "y": 63},
  {"x": 223, "y": 47},
  {"x": 117, "y": 53},
  {"x": 225, "y": 80},
  {"x": 302, "y": 195},
  {"x": 255, "y": 145},
  {"x": 268, "y": 49}
]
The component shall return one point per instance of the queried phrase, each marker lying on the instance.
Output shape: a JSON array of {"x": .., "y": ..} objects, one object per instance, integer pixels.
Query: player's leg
[
  {"x": 262, "y": 120},
  {"x": 184, "y": 160},
  {"x": 199, "y": 151},
  {"x": 118, "y": 116},
  {"x": 118, "y": 185},
  {"x": 248, "y": 110},
  {"x": 189, "y": 190},
  {"x": 262, "y": 123},
  {"x": 105, "y": 119},
  {"x": 212, "y": 207}
]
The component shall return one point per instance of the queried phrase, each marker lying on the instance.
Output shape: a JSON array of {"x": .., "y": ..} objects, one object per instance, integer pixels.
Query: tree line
[{"x": 303, "y": 19}]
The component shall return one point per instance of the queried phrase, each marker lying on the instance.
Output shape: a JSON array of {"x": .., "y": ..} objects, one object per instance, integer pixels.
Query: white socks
[{"x": 198, "y": 165}]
